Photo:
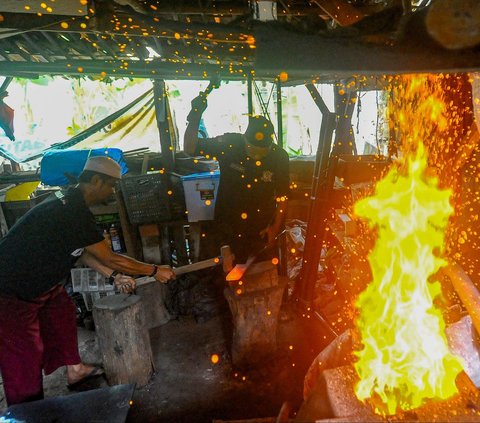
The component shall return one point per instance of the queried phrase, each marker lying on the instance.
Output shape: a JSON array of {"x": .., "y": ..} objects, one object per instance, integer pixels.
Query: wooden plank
[{"x": 150, "y": 238}]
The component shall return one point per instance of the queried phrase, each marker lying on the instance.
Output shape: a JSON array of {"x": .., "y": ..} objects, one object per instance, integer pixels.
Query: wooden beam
[
  {"x": 155, "y": 69},
  {"x": 163, "y": 118}
]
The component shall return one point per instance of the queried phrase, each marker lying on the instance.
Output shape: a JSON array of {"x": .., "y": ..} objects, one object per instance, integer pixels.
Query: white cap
[{"x": 104, "y": 165}]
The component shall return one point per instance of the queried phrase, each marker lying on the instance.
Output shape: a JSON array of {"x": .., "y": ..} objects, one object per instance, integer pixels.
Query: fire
[{"x": 405, "y": 359}]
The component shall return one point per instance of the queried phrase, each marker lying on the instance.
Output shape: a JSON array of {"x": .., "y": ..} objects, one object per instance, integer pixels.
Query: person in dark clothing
[
  {"x": 37, "y": 318},
  {"x": 254, "y": 182}
]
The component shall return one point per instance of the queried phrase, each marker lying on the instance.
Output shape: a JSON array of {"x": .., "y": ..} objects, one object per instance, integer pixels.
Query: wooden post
[{"x": 123, "y": 339}]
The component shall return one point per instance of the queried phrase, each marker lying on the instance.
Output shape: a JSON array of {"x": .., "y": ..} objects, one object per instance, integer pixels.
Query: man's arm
[
  {"x": 282, "y": 189},
  {"x": 272, "y": 230},
  {"x": 102, "y": 252},
  {"x": 124, "y": 283},
  {"x": 190, "y": 139},
  {"x": 89, "y": 260}
]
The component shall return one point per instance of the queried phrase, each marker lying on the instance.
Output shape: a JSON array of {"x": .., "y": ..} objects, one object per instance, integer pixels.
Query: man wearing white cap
[{"x": 37, "y": 318}]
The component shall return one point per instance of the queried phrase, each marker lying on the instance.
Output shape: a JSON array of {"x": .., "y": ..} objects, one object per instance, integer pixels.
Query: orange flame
[{"x": 405, "y": 358}]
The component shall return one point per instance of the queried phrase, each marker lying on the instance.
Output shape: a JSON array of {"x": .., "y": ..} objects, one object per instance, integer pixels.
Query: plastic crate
[
  {"x": 88, "y": 280},
  {"x": 153, "y": 198}
]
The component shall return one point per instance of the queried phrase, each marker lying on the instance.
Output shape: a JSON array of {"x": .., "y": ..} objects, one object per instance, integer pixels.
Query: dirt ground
[{"x": 188, "y": 387}]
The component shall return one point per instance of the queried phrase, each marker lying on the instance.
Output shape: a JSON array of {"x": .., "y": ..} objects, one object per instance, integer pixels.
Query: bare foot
[{"x": 77, "y": 372}]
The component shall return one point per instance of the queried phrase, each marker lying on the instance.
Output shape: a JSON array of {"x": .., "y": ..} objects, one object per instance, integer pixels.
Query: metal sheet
[{"x": 105, "y": 405}]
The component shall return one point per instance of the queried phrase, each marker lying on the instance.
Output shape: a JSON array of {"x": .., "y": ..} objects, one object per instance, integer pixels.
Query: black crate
[{"x": 153, "y": 198}]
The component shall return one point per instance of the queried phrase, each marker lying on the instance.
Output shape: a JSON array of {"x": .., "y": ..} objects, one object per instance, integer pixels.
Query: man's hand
[
  {"x": 199, "y": 104},
  {"x": 164, "y": 274},
  {"x": 124, "y": 283},
  {"x": 270, "y": 235}
]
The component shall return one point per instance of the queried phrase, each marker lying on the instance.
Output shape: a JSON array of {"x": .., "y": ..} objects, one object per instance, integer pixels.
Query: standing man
[
  {"x": 37, "y": 318},
  {"x": 254, "y": 182}
]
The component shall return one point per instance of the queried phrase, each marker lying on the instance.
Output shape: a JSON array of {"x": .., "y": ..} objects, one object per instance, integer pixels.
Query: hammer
[
  {"x": 214, "y": 83},
  {"x": 226, "y": 258},
  {"x": 239, "y": 270}
]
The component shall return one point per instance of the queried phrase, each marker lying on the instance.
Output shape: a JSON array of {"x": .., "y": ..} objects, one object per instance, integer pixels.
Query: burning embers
[{"x": 405, "y": 359}]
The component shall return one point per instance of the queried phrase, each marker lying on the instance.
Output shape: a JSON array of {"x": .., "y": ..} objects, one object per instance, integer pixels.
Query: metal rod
[
  {"x": 250, "y": 94},
  {"x": 344, "y": 142},
  {"x": 317, "y": 98},
  {"x": 5, "y": 84},
  {"x": 279, "y": 114},
  {"x": 321, "y": 187},
  {"x": 466, "y": 290}
]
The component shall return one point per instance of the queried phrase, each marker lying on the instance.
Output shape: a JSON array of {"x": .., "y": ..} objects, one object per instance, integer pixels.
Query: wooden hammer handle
[{"x": 199, "y": 265}]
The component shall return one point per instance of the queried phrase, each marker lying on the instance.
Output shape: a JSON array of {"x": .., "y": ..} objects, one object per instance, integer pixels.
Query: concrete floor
[{"x": 188, "y": 387}]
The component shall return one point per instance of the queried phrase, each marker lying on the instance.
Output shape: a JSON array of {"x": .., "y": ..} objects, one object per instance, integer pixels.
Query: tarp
[
  {"x": 55, "y": 163},
  {"x": 130, "y": 128}
]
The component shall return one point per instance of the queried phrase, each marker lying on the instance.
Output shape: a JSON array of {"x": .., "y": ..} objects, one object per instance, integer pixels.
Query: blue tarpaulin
[{"x": 55, "y": 163}]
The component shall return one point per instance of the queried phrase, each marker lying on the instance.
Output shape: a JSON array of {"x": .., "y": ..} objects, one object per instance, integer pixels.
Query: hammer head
[{"x": 227, "y": 258}]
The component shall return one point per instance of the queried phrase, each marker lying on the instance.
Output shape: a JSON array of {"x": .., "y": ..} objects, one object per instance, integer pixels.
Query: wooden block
[
  {"x": 153, "y": 300},
  {"x": 123, "y": 339},
  {"x": 259, "y": 276},
  {"x": 255, "y": 317}
]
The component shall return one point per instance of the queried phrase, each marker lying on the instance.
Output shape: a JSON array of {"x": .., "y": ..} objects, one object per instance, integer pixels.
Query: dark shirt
[
  {"x": 248, "y": 189},
  {"x": 40, "y": 249}
]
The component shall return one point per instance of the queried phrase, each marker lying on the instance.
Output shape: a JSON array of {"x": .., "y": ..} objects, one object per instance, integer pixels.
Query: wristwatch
[{"x": 111, "y": 278}]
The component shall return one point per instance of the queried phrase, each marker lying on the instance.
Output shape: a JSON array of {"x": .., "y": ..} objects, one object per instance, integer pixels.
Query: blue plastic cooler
[{"x": 200, "y": 195}]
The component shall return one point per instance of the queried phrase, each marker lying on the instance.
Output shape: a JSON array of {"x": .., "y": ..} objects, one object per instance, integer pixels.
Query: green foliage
[{"x": 292, "y": 152}]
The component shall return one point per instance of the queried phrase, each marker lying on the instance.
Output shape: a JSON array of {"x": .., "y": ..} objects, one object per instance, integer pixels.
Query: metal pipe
[
  {"x": 250, "y": 94},
  {"x": 466, "y": 290},
  {"x": 322, "y": 185},
  {"x": 5, "y": 84},
  {"x": 279, "y": 114}
]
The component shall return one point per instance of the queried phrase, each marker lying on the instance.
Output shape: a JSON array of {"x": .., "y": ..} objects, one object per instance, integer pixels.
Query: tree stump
[
  {"x": 123, "y": 339},
  {"x": 255, "y": 306},
  {"x": 153, "y": 299}
]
